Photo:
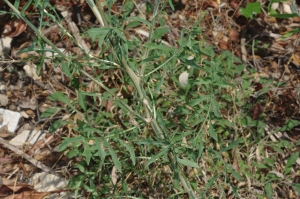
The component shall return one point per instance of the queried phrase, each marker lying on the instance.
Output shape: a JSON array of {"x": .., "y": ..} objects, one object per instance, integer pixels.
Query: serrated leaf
[
  {"x": 188, "y": 163},
  {"x": 120, "y": 34},
  {"x": 49, "y": 112},
  {"x": 211, "y": 181},
  {"x": 80, "y": 166},
  {"x": 101, "y": 152},
  {"x": 159, "y": 32},
  {"x": 130, "y": 149},
  {"x": 152, "y": 142},
  {"x": 65, "y": 67},
  {"x": 56, "y": 125},
  {"x": 251, "y": 9},
  {"x": 72, "y": 153},
  {"x": 113, "y": 156},
  {"x": 201, "y": 147},
  {"x": 212, "y": 132},
  {"x": 232, "y": 145},
  {"x": 138, "y": 19},
  {"x": 133, "y": 24},
  {"x": 101, "y": 39},
  {"x": 180, "y": 136},
  {"x": 64, "y": 145},
  {"x": 95, "y": 33},
  {"x": 289, "y": 124},
  {"x": 197, "y": 101},
  {"x": 291, "y": 160},
  {"x": 269, "y": 190},
  {"x": 87, "y": 153},
  {"x": 296, "y": 187},
  {"x": 156, "y": 156},
  {"x": 236, "y": 175},
  {"x": 81, "y": 100},
  {"x": 161, "y": 122},
  {"x": 161, "y": 46},
  {"x": 58, "y": 96},
  {"x": 260, "y": 166},
  {"x": 269, "y": 162}
]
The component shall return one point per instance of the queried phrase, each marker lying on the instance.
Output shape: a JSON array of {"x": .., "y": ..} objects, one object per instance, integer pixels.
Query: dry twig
[{"x": 33, "y": 161}]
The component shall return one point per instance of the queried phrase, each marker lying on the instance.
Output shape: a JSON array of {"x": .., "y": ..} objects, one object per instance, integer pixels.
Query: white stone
[
  {"x": 45, "y": 182},
  {"x": 10, "y": 118}
]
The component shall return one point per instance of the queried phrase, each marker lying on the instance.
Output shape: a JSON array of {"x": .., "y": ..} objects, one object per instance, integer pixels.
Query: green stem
[{"x": 150, "y": 35}]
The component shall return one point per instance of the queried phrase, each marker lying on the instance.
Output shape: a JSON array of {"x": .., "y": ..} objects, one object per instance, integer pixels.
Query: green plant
[
  {"x": 173, "y": 139},
  {"x": 251, "y": 9}
]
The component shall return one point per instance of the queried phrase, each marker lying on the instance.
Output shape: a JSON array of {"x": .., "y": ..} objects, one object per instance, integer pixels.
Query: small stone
[
  {"x": 286, "y": 78},
  {"x": 3, "y": 100},
  {"x": 12, "y": 107}
]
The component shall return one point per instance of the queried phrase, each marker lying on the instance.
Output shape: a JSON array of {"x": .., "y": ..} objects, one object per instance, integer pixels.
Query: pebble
[{"x": 286, "y": 77}]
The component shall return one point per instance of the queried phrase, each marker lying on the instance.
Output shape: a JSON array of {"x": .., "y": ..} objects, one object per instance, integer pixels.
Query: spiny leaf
[
  {"x": 188, "y": 163},
  {"x": 56, "y": 125},
  {"x": 290, "y": 162},
  {"x": 58, "y": 96},
  {"x": 212, "y": 132},
  {"x": 251, "y": 9},
  {"x": 113, "y": 156},
  {"x": 64, "y": 145},
  {"x": 87, "y": 153},
  {"x": 130, "y": 149},
  {"x": 159, "y": 32}
]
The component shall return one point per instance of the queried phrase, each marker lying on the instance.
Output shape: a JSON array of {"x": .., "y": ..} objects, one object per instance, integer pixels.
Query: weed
[{"x": 161, "y": 137}]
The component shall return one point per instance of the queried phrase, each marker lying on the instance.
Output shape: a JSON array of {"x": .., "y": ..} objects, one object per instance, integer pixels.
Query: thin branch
[{"x": 17, "y": 151}]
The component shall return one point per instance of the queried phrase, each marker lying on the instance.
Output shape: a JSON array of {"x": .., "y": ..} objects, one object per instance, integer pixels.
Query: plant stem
[{"x": 150, "y": 35}]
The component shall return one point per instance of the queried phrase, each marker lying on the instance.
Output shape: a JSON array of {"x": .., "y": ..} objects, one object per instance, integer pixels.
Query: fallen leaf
[
  {"x": 28, "y": 103},
  {"x": 234, "y": 35},
  {"x": 108, "y": 105},
  {"x": 296, "y": 59},
  {"x": 31, "y": 113},
  {"x": 14, "y": 28},
  {"x": 257, "y": 111},
  {"x": 114, "y": 175},
  {"x": 30, "y": 70},
  {"x": 28, "y": 195},
  {"x": 223, "y": 45}
]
